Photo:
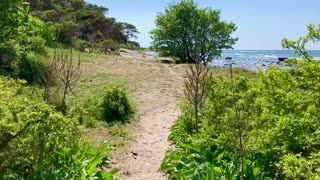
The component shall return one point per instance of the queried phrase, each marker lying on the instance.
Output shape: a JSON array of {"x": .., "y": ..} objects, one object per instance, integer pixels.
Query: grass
[
  {"x": 146, "y": 79},
  {"x": 217, "y": 71}
]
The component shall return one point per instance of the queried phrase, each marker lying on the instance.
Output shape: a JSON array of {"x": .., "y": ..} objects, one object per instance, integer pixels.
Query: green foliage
[
  {"x": 294, "y": 166},
  {"x": 87, "y": 112},
  {"x": 118, "y": 130},
  {"x": 37, "y": 35},
  {"x": 182, "y": 130},
  {"x": 81, "y": 45},
  {"x": 80, "y": 24},
  {"x": 117, "y": 106},
  {"x": 111, "y": 105},
  {"x": 9, "y": 56},
  {"x": 31, "y": 66},
  {"x": 269, "y": 125},
  {"x": 81, "y": 164},
  {"x": 277, "y": 116},
  {"x": 191, "y": 33},
  {"x": 36, "y": 142},
  {"x": 22, "y": 36},
  {"x": 13, "y": 15},
  {"x": 108, "y": 45},
  {"x": 191, "y": 161},
  {"x": 298, "y": 46}
]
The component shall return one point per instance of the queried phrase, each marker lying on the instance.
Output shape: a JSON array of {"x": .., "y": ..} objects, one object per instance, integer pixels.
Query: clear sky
[{"x": 261, "y": 23}]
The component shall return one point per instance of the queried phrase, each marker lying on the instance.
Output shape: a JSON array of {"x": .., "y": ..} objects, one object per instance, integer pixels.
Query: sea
[{"x": 254, "y": 60}]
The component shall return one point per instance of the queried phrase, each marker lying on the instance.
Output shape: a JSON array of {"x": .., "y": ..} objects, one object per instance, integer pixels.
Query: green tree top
[
  {"x": 190, "y": 33},
  {"x": 298, "y": 46},
  {"x": 13, "y": 14}
]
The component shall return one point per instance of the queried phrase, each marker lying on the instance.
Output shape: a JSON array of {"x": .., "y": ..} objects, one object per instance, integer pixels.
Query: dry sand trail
[
  {"x": 157, "y": 89},
  {"x": 158, "y": 109}
]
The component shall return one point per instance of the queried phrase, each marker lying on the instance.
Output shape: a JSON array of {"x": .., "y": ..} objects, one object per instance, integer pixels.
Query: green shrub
[
  {"x": 31, "y": 66},
  {"x": 294, "y": 166},
  {"x": 182, "y": 129},
  {"x": 277, "y": 116},
  {"x": 37, "y": 142},
  {"x": 117, "y": 106},
  {"x": 109, "y": 45},
  {"x": 81, "y": 45},
  {"x": 83, "y": 115},
  {"x": 9, "y": 55}
]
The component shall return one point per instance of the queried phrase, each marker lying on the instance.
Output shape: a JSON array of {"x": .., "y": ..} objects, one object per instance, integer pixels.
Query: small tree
[
  {"x": 191, "y": 33},
  {"x": 195, "y": 88},
  {"x": 61, "y": 71},
  {"x": 48, "y": 76},
  {"x": 69, "y": 73},
  {"x": 238, "y": 123}
]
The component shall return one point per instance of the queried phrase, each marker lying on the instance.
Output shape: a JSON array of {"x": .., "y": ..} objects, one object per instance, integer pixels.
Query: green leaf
[
  {"x": 94, "y": 163},
  {"x": 220, "y": 156},
  {"x": 107, "y": 175}
]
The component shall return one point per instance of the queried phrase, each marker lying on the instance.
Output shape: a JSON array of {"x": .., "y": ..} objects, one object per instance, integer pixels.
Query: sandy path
[
  {"x": 149, "y": 145},
  {"x": 158, "y": 109}
]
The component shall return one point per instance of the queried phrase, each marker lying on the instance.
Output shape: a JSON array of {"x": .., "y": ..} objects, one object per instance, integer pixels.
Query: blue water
[
  {"x": 254, "y": 59},
  {"x": 262, "y": 54}
]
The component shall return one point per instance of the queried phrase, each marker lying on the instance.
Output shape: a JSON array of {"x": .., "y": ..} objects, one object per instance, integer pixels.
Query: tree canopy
[
  {"x": 191, "y": 33},
  {"x": 77, "y": 22}
]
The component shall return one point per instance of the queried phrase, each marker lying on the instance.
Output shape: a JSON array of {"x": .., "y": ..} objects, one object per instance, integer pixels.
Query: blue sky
[{"x": 261, "y": 23}]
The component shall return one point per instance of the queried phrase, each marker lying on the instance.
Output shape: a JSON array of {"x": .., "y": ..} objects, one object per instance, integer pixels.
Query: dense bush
[
  {"x": 9, "y": 56},
  {"x": 116, "y": 105},
  {"x": 108, "y": 45},
  {"x": 276, "y": 118},
  {"x": 31, "y": 66},
  {"x": 81, "y": 45},
  {"x": 87, "y": 113},
  {"x": 110, "y": 104},
  {"x": 36, "y": 142}
]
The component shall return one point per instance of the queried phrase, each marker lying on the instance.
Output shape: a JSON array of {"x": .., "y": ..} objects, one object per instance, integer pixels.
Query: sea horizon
[
  {"x": 252, "y": 60},
  {"x": 256, "y": 59}
]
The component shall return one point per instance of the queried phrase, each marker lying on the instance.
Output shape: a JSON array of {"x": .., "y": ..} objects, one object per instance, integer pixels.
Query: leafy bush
[
  {"x": 84, "y": 114},
  {"x": 117, "y": 106},
  {"x": 109, "y": 45},
  {"x": 294, "y": 166},
  {"x": 182, "y": 130},
  {"x": 275, "y": 115},
  {"x": 9, "y": 55},
  {"x": 31, "y": 66},
  {"x": 36, "y": 142},
  {"x": 81, "y": 45},
  {"x": 191, "y": 161}
]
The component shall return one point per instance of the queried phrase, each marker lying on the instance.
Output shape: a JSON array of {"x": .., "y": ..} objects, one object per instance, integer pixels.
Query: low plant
[
  {"x": 36, "y": 142},
  {"x": 116, "y": 104}
]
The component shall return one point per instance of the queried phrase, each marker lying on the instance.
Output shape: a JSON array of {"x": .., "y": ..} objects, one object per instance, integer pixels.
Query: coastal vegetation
[
  {"x": 70, "y": 92},
  {"x": 42, "y": 125},
  {"x": 84, "y": 26},
  {"x": 262, "y": 128}
]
